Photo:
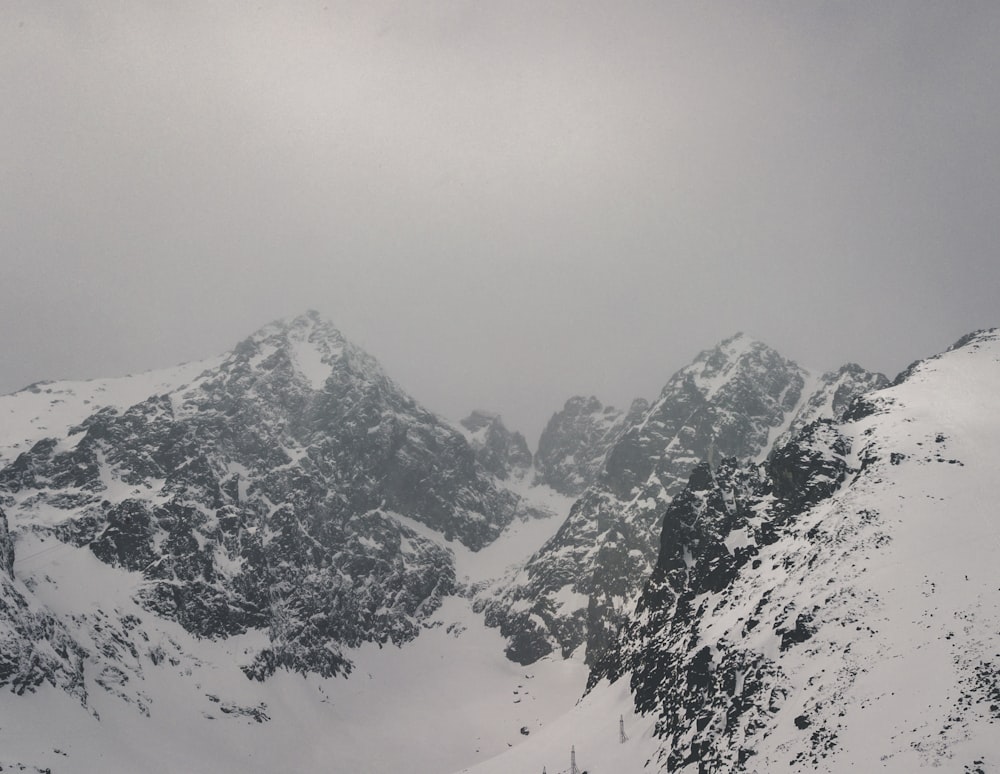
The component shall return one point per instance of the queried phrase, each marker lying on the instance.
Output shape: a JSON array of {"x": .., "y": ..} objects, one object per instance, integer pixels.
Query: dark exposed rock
[
  {"x": 801, "y": 632},
  {"x": 576, "y": 440},
  {"x": 497, "y": 449},
  {"x": 833, "y": 397},
  {"x": 709, "y": 697},
  {"x": 127, "y": 538},
  {"x": 6, "y": 547},
  {"x": 811, "y": 466}
]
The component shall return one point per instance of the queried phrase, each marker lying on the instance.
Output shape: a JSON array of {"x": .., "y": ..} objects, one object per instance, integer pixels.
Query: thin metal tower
[
  {"x": 572, "y": 761},
  {"x": 622, "y": 736}
]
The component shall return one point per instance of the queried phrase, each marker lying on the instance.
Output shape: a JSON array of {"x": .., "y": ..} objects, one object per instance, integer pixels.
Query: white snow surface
[
  {"x": 934, "y": 584},
  {"x": 443, "y": 701},
  {"x": 446, "y": 700},
  {"x": 310, "y": 363},
  {"x": 590, "y": 729},
  {"x": 50, "y": 409},
  {"x": 522, "y": 537}
]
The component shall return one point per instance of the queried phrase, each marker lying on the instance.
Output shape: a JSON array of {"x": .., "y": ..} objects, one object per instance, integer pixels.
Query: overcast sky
[{"x": 506, "y": 203}]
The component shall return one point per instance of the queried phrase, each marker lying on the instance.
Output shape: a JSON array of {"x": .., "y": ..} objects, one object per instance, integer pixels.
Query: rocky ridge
[
  {"x": 577, "y": 589},
  {"x": 499, "y": 451},
  {"x": 576, "y": 440},
  {"x": 831, "y": 397},
  {"x": 771, "y": 634}
]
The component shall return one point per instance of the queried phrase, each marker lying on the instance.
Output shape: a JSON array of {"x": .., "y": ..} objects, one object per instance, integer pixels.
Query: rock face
[
  {"x": 772, "y": 634},
  {"x": 284, "y": 489},
  {"x": 6, "y": 547},
  {"x": 35, "y": 648},
  {"x": 575, "y": 589},
  {"x": 575, "y": 442},
  {"x": 830, "y": 398},
  {"x": 497, "y": 449}
]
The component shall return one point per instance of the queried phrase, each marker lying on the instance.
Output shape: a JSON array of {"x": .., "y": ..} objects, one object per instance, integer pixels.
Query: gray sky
[{"x": 506, "y": 203}]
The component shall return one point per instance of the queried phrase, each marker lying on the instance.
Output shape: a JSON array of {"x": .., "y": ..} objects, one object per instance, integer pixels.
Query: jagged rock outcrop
[
  {"x": 6, "y": 547},
  {"x": 575, "y": 589},
  {"x": 713, "y": 529},
  {"x": 788, "y": 598},
  {"x": 501, "y": 452},
  {"x": 283, "y": 489},
  {"x": 831, "y": 397},
  {"x": 576, "y": 440}
]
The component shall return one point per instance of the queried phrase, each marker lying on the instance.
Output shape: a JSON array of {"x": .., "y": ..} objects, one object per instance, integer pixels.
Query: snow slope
[
  {"x": 859, "y": 633},
  {"x": 445, "y": 700},
  {"x": 591, "y": 730},
  {"x": 50, "y": 409},
  {"x": 835, "y": 611}
]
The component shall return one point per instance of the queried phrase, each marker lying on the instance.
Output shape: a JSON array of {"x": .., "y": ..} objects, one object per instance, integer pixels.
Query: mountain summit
[
  {"x": 284, "y": 488},
  {"x": 732, "y": 401},
  {"x": 835, "y": 609}
]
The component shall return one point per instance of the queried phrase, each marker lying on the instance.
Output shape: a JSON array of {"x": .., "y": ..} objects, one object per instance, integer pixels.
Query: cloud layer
[{"x": 505, "y": 203}]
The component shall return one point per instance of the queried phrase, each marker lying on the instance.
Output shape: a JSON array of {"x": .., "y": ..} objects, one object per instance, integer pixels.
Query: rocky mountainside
[
  {"x": 831, "y": 396},
  {"x": 732, "y": 401},
  {"x": 50, "y": 409},
  {"x": 576, "y": 440},
  {"x": 35, "y": 647},
  {"x": 499, "y": 451},
  {"x": 767, "y": 570},
  {"x": 289, "y": 487},
  {"x": 836, "y": 608}
]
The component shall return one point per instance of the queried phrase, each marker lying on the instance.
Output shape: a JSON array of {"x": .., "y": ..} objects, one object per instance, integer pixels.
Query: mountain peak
[
  {"x": 308, "y": 326},
  {"x": 310, "y": 342},
  {"x": 735, "y": 338},
  {"x": 737, "y": 347},
  {"x": 731, "y": 365},
  {"x": 574, "y": 443}
]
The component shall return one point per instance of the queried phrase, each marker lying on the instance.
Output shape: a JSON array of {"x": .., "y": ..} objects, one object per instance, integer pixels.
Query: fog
[{"x": 505, "y": 203}]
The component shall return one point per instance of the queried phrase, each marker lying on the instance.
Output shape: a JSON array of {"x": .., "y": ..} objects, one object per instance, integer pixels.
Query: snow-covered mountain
[
  {"x": 50, "y": 409},
  {"x": 285, "y": 489},
  {"x": 733, "y": 400},
  {"x": 831, "y": 608},
  {"x": 277, "y": 560},
  {"x": 837, "y": 609}
]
